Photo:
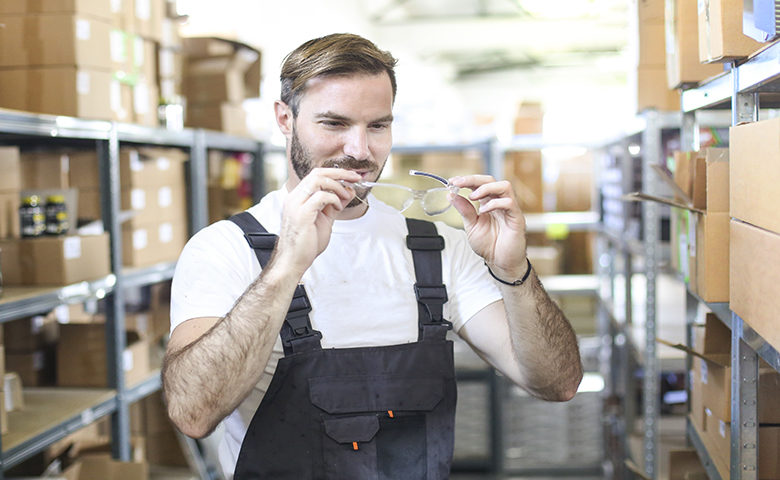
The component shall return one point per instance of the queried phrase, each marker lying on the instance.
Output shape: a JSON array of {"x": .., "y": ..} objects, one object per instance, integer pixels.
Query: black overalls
[{"x": 370, "y": 413}]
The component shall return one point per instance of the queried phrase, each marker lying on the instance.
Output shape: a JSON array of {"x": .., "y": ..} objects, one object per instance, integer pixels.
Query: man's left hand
[{"x": 495, "y": 231}]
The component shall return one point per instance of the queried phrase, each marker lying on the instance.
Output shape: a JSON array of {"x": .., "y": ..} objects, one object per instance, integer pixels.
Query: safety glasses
[{"x": 433, "y": 201}]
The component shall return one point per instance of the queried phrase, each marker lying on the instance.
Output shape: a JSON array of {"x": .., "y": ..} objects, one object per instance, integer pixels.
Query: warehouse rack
[
  {"x": 53, "y": 413},
  {"x": 743, "y": 89}
]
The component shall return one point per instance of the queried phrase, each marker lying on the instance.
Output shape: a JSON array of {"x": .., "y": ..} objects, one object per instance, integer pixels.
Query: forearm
[
  {"x": 208, "y": 379},
  {"x": 543, "y": 341}
]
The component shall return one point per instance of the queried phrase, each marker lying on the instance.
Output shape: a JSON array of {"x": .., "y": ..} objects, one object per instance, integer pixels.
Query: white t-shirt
[{"x": 361, "y": 288}]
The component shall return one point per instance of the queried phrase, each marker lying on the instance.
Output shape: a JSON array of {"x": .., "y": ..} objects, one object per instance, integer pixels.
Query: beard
[{"x": 302, "y": 163}]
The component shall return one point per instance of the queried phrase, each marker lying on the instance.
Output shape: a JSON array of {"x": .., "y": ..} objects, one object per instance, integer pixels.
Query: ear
[{"x": 284, "y": 117}]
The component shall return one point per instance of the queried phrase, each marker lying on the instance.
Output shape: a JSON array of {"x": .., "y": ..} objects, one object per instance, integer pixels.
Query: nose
[{"x": 356, "y": 143}]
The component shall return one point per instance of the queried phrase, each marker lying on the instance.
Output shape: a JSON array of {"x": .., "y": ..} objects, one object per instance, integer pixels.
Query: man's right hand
[{"x": 308, "y": 215}]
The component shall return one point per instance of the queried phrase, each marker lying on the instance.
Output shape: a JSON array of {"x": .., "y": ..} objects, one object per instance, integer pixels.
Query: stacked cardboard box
[
  {"x": 651, "y": 89},
  {"x": 755, "y": 226},
  {"x": 29, "y": 349},
  {"x": 92, "y": 59},
  {"x": 219, "y": 75},
  {"x": 711, "y": 399},
  {"x": 682, "y": 40},
  {"x": 720, "y": 32},
  {"x": 153, "y": 188}
]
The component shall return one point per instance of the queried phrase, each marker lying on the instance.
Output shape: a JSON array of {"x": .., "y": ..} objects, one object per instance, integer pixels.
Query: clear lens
[
  {"x": 435, "y": 201},
  {"x": 396, "y": 196}
]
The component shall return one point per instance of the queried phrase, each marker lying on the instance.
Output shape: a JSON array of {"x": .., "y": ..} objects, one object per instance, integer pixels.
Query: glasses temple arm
[{"x": 429, "y": 175}]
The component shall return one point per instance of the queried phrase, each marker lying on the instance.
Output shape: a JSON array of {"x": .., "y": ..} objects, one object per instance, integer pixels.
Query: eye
[
  {"x": 332, "y": 123},
  {"x": 379, "y": 126}
]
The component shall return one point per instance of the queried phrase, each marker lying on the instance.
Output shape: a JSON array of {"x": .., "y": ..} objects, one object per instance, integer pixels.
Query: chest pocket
[{"x": 375, "y": 426}]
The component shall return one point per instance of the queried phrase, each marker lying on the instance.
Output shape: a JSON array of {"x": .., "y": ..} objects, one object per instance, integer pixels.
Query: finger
[
  {"x": 465, "y": 208},
  {"x": 321, "y": 199},
  {"x": 471, "y": 181},
  {"x": 493, "y": 189}
]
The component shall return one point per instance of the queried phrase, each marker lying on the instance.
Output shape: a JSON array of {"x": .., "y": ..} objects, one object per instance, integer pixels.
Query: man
[{"x": 360, "y": 384}]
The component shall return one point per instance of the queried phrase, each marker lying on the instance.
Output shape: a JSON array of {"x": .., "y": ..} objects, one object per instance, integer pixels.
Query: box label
[
  {"x": 140, "y": 239},
  {"x": 137, "y": 199},
  {"x": 36, "y": 324},
  {"x": 83, "y": 29},
  {"x": 704, "y": 371},
  {"x": 127, "y": 360},
  {"x": 62, "y": 314},
  {"x": 71, "y": 248},
  {"x": 117, "y": 44},
  {"x": 138, "y": 52},
  {"x": 82, "y": 83},
  {"x": 141, "y": 99},
  {"x": 37, "y": 360},
  {"x": 115, "y": 96},
  {"x": 166, "y": 232},
  {"x": 143, "y": 9},
  {"x": 722, "y": 428},
  {"x": 163, "y": 163},
  {"x": 164, "y": 197},
  {"x": 136, "y": 165}
]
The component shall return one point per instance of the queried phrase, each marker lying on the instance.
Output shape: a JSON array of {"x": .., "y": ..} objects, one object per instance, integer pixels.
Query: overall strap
[
  {"x": 426, "y": 246},
  {"x": 297, "y": 333}
]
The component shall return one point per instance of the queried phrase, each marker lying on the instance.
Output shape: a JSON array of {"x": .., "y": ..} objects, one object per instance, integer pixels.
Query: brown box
[
  {"x": 69, "y": 91},
  {"x": 146, "y": 19},
  {"x": 3, "y": 416},
  {"x": 709, "y": 256},
  {"x": 10, "y": 256},
  {"x": 55, "y": 40},
  {"x": 529, "y": 118},
  {"x": 60, "y": 260},
  {"x": 652, "y": 38},
  {"x": 145, "y": 100},
  {"x": 9, "y": 165},
  {"x": 524, "y": 171},
  {"x": 720, "y": 32},
  {"x": 685, "y": 465},
  {"x": 650, "y": 10},
  {"x": 44, "y": 169},
  {"x": 82, "y": 361},
  {"x": 682, "y": 51},
  {"x": 145, "y": 244},
  {"x": 83, "y": 169},
  {"x": 155, "y": 203},
  {"x": 717, "y": 439},
  {"x": 755, "y": 275},
  {"x": 89, "y": 204},
  {"x": 31, "y": 333},
  {"x": 754, "y": 170},
  {"x": 90, "y": 467},
  {"x": 230, "y": 54},
  {"x": 95, "y": 8},
  {"x": 221, "y": 85},
  {"x": 32, "y": 367},
  {"x": 225, "y": 117},
  {"x": 652, "y": 92},
  {"x": 710, "y": 190},
  {"x": 150, "y": 167},
  {"x": 9, "y": 214},
  {"x": 13, "y": 391}
]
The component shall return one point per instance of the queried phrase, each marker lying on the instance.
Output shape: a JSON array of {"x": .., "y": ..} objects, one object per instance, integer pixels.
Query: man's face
[{"x": 345, "y": 122}]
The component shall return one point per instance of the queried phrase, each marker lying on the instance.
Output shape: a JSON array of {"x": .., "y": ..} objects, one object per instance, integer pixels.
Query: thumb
[{"x": 466, "y": 210}]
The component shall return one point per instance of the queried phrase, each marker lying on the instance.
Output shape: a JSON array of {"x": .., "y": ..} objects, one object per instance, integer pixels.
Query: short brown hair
[{"x": 335, "y": 54}]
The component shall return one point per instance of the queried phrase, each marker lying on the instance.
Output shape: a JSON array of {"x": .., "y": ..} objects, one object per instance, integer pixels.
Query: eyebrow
[{"x": 336, "y": 116}]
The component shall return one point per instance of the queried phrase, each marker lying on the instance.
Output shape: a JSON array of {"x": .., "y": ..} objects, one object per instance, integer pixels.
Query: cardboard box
[
  {"x": 211, "y": 52},
  {"x": 94, "y": 8},
  {"x": 30, "y": 333},
  {"x": 710, "y": 190},
  {"x": 754, "y": 170},
  {"x": 682, "y": 51},
  {"x": 69, "y": 91},
  {"x": 59, "y": 260},
  {"x": 221, "y": 85},
  {"x": 652, "y": 38},
  {"x": 155, "y": 203},
  {"x": 755, "y": 275},
  {"x": 524, "y": 172},
  {"x": 89, "y": 204},
  {"x": 652, "y": 92},
  {"x": 9, "y": 214},
  {"x": 146, "y": 18},
  {"x": 11, "y": 168},
  {"x": 90, "y": 467},
  {"x": 717, "y": 438},
  {"x": 83, "y": 171},
  {"x": 685, "y": 465},
  {"x": 12, "y": 391},
  {"x": 44, "y": 169},
  {"x": 34, "y": 368},
  {"x": 82, "y": 360},
  {"x": 145, "y": 244},
  {"x": 709, "y": 256},
  {"x": 3, "y": 416},
  {"x": 224, "y": 117},
  {"x": 151, "y": 167},
  {"x": 145, "y": 100},
  {"x": 650, "y": 10},
  {"x": 529, "y": 118},
  {"x": 10, "y": 257},
  {"x": 720, "y": 32},
  {"x": 55, "y": 40}
]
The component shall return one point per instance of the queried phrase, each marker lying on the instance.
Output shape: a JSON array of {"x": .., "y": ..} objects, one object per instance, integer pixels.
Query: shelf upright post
[
  {"x": 493, "y": 156},
  {"x": 198, "y": 179},
  {"x": 744, "y": 405},
  {"x": 744, "y": 360},
  {"x": 652, "y": 151},
  {"x": 108, "y": 156}
]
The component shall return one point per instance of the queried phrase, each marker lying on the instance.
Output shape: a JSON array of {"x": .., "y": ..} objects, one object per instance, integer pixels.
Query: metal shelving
[
  {"x": 83, "y": 406},
  {"x": 743, "y": 89}
]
